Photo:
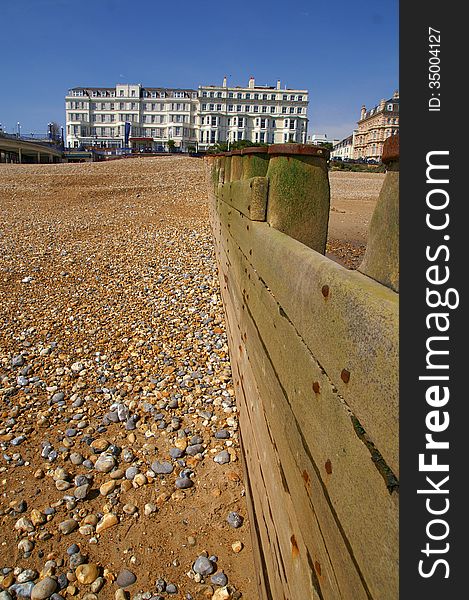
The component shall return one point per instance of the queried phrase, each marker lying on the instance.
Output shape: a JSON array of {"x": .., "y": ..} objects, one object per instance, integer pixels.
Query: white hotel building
[{"x": 191, "y": 118}]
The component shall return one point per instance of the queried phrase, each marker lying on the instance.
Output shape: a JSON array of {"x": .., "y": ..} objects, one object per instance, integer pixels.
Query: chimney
[
  {"x": 363, "y": 111},
  {"x": 396, "y": 95},
  {"x": 224, "y": 81},
  {"x": 278, "y": 84},
  {"x": 382, "y": 104},
  {"x": 251, "y": 82}
]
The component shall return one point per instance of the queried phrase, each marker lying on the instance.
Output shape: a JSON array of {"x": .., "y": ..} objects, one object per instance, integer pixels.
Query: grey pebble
[
  {"x": 130, "y": 473},
  {"x": 76, "y": 559},
  {"x": 171, "y": 589},
  {"x": 125, "y": 578},
  {"x": 222, "y": 434},
  {"x": 176, "y": 453},
  {"x": 22, "y": 590},
  {"x": 76, "y": 458},
  {"x": 194, "y": 449},
  {"x": 219, "y": 579},
  {"x": 222, "y": 458},
  {"x": 163, "y": 468},
  {"x": 203, "y": 566},
  {"x": 27, "y": 575},
  {"x": 182, "y": 483},
  {"x": 73, "y": 549},
  {"x": 234, "y": 519},
  {"x": 17, "y": 361}
]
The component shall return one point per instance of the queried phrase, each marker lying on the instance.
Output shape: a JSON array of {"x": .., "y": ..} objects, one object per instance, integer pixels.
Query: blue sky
[{"x": 345, "y": 53}]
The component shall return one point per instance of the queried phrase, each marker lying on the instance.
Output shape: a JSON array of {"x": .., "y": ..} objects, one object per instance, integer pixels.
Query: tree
[{"x": 171, "y": 145}]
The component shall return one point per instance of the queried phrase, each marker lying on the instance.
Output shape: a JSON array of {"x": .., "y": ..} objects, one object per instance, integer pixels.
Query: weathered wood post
[
  {"x": 299, "y": 193},
  {"x": 255, "y": 162},
  {"x": 381, "y": 260}
]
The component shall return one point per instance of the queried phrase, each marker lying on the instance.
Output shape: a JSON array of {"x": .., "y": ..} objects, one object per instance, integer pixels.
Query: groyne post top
[
  {"x": 381, "y": 260},
  {"x": 236, "y": 171},
  {"x": 255, "y": 161},
  {"x": 299, "y": 193}
]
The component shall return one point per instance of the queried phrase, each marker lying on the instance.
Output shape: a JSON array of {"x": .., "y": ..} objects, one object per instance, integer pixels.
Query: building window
[
  {"x": 299, "y": 110},
  {"x": 212, "y": 137},
  {"x": 284, "y": 110},
  {"x": 218, "y": 106},
  {"x": 238, "y": 107},
  {"x": 262, "y": 123},
  {"x": 285, "y": 97},
  {"x": 272, "y": 109},
  {"x": 230, "y": 108},
  {"x": 204, "y": 94},
  {"x": 214, "y": 121},
  {"x": 262, "y": 137},
  {"x": 292, "y": 110},
  {"x": 256, "y": 96},
  {"x": 248, "y": 96},
  {"x": 256, "y": 109},
  {"x": 212, "y": 106},
  {"x": 264, "y": 109}
]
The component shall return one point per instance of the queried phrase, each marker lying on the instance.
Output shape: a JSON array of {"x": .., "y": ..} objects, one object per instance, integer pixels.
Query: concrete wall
[{"x": 314, "y": 351}]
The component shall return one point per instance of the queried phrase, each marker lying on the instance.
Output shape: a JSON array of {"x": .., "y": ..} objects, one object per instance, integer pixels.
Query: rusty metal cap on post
[
  {"x": 254, "y": 150},
  {"x": 299, "y": 150},
  {"x": 391, "y": 149}
]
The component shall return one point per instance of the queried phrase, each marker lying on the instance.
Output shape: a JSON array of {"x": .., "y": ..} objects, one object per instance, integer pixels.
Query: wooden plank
[
  {"x": 310, "y": 537},
  {"x": 357, "y": 491},
  {"x": 274, "y": 512},
  {"x": 348, "y": 321},
  {"x": 248, "y": 196}
]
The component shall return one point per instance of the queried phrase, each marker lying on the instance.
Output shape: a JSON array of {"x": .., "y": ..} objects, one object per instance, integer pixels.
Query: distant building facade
[
  {"x": 344, "y": 148},
  {"x": 375, "y": 126},
  {"x": 148, "y": 118},
  {"x": 318, "y": 139},
  {"x": 98, "y": 117}
]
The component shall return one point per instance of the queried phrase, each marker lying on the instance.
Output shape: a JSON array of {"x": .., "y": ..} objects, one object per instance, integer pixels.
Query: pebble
[
  {"x": 234, "y": 519},
  {"x": 87, "y": 573},
  {"x": 23, "y": 590},
  {"x": 66, "y": 527},
  {"x": 43, "y": 589},
  {"x": 105, "y": 463},
  {"x": 27, "y": 575},
  {"x": 203, "y": 566},
  {"x": 108, "y": 520},
  {"x": 222, "y": 457},
  {"x": 183, "y": 483},
  {"x": 171, "y": 588},
  {"x": 219, "y": 578},
  {"x": 164, "y": 468},
  {"x": 125, "y": 578}
]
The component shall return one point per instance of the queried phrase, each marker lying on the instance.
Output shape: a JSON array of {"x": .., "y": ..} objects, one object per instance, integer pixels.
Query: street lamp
[{"x": 18, "y": 128}]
